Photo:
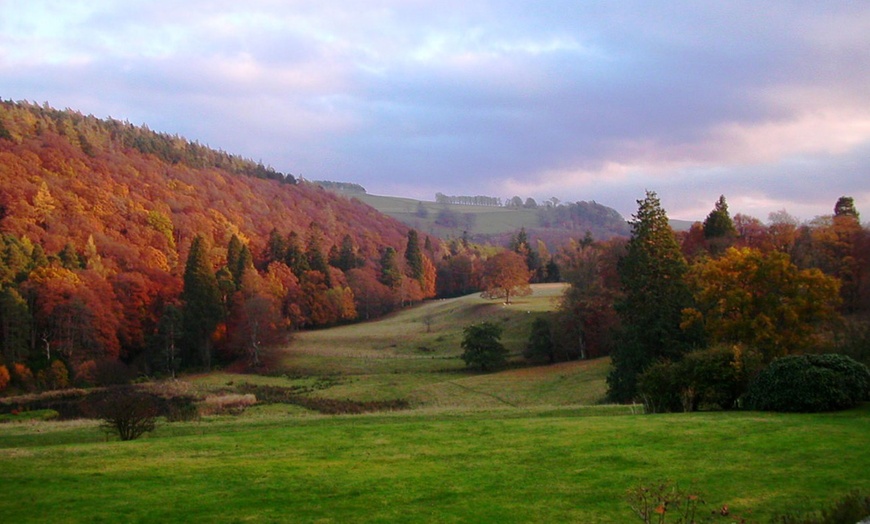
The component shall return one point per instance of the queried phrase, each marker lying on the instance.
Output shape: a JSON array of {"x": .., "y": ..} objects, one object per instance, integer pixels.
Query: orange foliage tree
[{"x": 506, "y": 275}]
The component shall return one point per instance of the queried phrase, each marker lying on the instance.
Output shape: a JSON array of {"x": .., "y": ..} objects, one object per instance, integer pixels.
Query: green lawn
[{"x": 498, "y": 465}]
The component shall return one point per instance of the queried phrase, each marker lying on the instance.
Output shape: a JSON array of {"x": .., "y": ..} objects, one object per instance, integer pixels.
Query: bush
[
  {"x": 709, "y": 379},
  {"x": 126, "y": 412},
  {"x": 809, "y": 383},
  {"x": 660, "y": 387}
]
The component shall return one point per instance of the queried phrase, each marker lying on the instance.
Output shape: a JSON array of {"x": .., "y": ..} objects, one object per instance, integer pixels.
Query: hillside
[
  {"x": 98, "y": 218},
  {"x": 496, "y": 224}
]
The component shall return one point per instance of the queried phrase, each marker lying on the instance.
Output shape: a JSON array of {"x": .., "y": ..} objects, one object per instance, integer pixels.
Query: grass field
[
  {"x": 527, "y": 444},
  {"x": 502, "y": 465}
]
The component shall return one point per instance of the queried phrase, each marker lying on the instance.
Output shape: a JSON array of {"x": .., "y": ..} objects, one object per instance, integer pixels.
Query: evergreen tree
[
  {"x": 14, "y": 326},
  {"x": 203, "y": 308},
  {"x": 239, "y": 259},
  {"x": 540, "y": 344},
  {"x": 234, "y": 253},
  {"x": 294, "y": 256},
  {"x": 414, "y": 256},
  {"x": 718, "y": 223},
  {"x": 276, "y": 248},
  {"x": 390, "y": 275},
  {"x": 69, "y": 259},
  {"x": 344, "y": 257},
  {"x": 652, "y": 275},
  {"x": 845, "y": 207},
  {"x": 314, "y": 256},
  {"x": 166, "y": 342}
]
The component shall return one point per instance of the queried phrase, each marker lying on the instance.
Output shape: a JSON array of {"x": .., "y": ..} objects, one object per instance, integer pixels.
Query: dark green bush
[
  {"x": 809, "y": 383},
  {"x": 708, "y": 379},
  {"x": 660, "y": 388}
]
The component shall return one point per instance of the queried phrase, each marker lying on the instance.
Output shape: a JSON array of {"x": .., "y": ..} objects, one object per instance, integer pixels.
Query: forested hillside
[{"x": 115, "y": 238}]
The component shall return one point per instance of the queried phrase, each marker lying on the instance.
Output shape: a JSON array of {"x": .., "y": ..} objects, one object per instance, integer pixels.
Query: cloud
[{"x": 762, "y": 102}]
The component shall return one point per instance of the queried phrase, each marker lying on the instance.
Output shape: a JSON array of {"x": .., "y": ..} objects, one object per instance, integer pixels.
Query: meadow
[{"x": 527, "y": 444}]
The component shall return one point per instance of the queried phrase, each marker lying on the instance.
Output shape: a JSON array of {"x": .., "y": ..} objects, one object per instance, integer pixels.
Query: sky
[{"x": 766, "y": 103}]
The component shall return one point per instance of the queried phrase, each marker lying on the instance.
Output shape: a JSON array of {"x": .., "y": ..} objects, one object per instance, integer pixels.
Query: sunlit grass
[{"x": 496, "y": 465}]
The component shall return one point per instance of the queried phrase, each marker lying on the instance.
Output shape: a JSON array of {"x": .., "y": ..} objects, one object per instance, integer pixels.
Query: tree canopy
[{"x": 505, "y": 275}]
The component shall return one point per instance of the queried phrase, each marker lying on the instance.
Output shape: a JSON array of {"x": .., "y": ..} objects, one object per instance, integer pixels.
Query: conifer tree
[
  {"x": 718, "y": 223},
  {"x": 14, "y": 326},
  {"x": 390, "y": 275},
  {"x": 652, "y": 274},
  {"x": 414, "y": 256},
  {"x": 294, "y": 255},
  {"x": 203, "y": 308}
]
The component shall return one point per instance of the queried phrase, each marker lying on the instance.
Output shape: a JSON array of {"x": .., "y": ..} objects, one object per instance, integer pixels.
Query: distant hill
[{"x": 496, "y": 224}]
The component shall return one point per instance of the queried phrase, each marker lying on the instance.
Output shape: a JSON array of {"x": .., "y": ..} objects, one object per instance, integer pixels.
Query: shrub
[
  {"x": 127, "y": 413},
  {"x": 809, "y": 383},
  {"x": 660, "y": 388},
  {"x": 710, "y": 379}
]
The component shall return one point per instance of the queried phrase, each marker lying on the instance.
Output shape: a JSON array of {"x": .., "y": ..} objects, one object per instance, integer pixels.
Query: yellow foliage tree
[{"x": 762, "y": 301}]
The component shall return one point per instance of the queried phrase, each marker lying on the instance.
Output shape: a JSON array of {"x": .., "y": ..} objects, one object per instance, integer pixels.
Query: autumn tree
[
  {"x": 256, "y": 318},
  {"x": 166, "y": 342},
  {"x": 505, "y": 275},
  {"x": 203, "y": 307},
  {"x": 482, "y": 347},
  {"x": 586, "y": 318},
  {"x": 840, "y": 246},
  {"x": 652, "y": 274},
  {"x": 762, "y": 301}
]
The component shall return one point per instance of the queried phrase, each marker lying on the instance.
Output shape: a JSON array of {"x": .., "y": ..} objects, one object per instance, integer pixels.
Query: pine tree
[
  {"x": 14, "y": 326},
  {"x": 390, "y": 275},
  {"x": 294, "y": 256},
  {"x": 203, "y": 308},
  {"x": 718, "y": 223},
  {"x": 652, "y": 274},
  {"x": 414, "y": 256},
  {"x": 239, "y": 259}
]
